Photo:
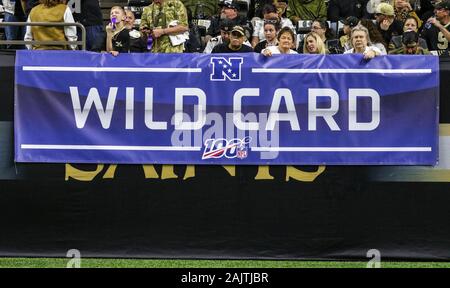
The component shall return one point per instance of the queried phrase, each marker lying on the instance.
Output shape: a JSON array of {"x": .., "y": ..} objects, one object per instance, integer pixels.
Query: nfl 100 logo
[
  {"x": 226, "y": 68},
  {"x": 234, "y": 148}
]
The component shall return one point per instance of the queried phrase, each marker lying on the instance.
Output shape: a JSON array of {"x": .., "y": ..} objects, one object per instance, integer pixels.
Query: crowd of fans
[{"x": 369, "y": 27}]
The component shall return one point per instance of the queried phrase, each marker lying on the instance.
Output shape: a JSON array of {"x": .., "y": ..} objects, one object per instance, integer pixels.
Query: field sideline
[{"x": 138, "y": 263}]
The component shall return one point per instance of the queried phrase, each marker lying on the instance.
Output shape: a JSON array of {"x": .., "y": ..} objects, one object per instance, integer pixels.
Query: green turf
[{"x": 134, "y": 263}]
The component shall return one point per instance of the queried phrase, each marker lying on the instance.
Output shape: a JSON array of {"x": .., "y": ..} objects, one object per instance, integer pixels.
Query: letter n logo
[{"x": 223, "y": 69}]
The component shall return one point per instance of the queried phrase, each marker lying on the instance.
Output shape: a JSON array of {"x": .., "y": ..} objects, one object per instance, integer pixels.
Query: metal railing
[{"x": 45, "y": 24}]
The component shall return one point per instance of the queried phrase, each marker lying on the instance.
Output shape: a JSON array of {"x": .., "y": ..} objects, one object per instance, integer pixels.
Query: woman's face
[
  {"x": 410, "y": 24},
  {"x": 269, "y": 32},
  {"x": 315, "y": 27},
  {"x": 311, "y": 45},
  {"x": 286, "y": 41},
  {"x": 359, "y": 40}
]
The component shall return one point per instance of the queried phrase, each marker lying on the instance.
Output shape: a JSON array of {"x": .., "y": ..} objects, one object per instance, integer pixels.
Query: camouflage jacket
[
  {"x": 210, "y": 7},
  {"x": 160, "y": 16},
  {"x": 307, "y": 10}
]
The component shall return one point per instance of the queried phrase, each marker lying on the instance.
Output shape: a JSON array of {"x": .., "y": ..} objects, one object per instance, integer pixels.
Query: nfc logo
[{"x": 223, "y": 69}]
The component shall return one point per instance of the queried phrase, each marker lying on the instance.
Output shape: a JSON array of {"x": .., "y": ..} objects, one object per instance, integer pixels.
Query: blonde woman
[{"x": 313, "y": 44}]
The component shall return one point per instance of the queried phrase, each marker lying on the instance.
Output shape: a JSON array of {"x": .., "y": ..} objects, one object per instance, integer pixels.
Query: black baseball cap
[
  {"x": 229, "y": 4},
  {"x": 227, "y": 25},
  {"x": 351, "y": 21},
  {"x": 443, "y": 5},
  {"x": 410, "y": 38}
]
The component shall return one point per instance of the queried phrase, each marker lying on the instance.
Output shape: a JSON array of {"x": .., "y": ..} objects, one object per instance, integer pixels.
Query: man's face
[
  {"x": 379, "y": 17},
  {"x": 228, "y": 13},
  {"x": 441, "y": 13},
  {"x": 410, "y": 49},
  {"x": 225, "y": 35},
  {"x": 236, "y": 39},
  {"x": 129, "y": 20}
]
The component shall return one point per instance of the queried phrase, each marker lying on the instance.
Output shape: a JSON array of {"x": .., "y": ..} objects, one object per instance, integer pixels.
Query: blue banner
[{"x": 227, "y": 109}]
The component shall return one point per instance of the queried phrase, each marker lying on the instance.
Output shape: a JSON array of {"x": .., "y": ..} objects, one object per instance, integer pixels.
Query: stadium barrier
[{"x": 222, "y": 212}]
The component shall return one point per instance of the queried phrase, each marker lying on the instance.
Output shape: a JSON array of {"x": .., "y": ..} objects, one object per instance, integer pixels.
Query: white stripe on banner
[
  {"x": 341, "y": 149},
  {"x": 342, "y": 71},
  {"x": 111, "y": 69},
  {"x": 108, "y": 147},
  {"x": 256, "y": 149}
]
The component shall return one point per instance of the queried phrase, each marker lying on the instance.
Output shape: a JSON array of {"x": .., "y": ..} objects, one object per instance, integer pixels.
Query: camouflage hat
[
  {"x": 238, "y": 29},
  {"x": 385, "y": 9}
]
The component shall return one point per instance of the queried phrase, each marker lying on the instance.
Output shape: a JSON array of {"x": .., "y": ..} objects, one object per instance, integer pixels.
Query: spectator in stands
[
  {"x": 271, "y": 28},
  {"x": 229, "y": 10},
  {"x": 436, "y": 30},
  {"x": 51, "y": 11},
  {"x": 203, "y": 9},
  {"x": 256, "y": 8},
  {"x": 422, "y": 8},
  {"x": 339, "y": 10},
  {"x": 286, "y": 41},
  {"x": 410, "y": 45},
  {"x": 409, "y": 25},
  {"x": 92, "y": 19},
  {"x": 236, "y": 44},
  {"x": 386, "y": 22},
  {"x": 138, "y": 40},
  {"x": 306, "y": 10},
  {"x": 403, "y": 10},
  {"x": 313, "y": 44},
  {"x": 165, "y": 18},
  {"x": 323, "y": 29},
  {"x": 225, "y": 29},
  {"x": 269, "y": 13},
  {"x": 117, "y": 35},
  {"x": 375, "y": 36},
  {"x": 13, "y": 13},
  {"x": 349, "y": 23},
  {"x": 361, "y": 43}
]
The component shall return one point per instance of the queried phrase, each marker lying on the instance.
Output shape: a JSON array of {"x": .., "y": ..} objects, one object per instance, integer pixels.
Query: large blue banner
[{"x": 226, "y": 109}]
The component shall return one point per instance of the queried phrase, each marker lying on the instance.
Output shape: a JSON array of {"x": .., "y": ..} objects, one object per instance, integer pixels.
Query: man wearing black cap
[
  {"x": 437, "y": 29},
  {"x": 225, "y": 29},
  {"x": 410, "y": 45},
  {"x": 349, "y": 23},
  {"x": 229, "y": 10},
  {"x": 236, "y": 43}
]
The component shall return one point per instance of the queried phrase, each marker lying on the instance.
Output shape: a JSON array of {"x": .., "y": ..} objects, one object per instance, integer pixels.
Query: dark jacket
[
  {"x": 341, "y": 9},
  {"x": 90, "y": 15}
]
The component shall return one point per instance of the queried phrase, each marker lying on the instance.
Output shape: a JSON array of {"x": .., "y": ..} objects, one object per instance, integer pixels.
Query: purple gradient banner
[{"x": 226, "y": 109}]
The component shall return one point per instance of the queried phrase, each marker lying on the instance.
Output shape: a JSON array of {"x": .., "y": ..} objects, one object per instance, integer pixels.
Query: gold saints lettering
[{"x": 168, "y": 172}]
